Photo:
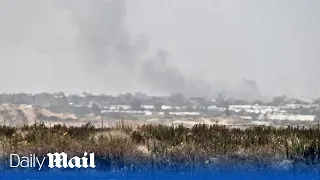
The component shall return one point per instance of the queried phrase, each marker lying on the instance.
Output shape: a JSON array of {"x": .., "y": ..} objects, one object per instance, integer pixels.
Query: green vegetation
[{"x": 158, "y": 142}]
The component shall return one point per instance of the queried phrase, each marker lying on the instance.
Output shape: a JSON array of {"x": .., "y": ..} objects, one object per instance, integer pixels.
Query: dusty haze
[{"x": 160, "y": 46}]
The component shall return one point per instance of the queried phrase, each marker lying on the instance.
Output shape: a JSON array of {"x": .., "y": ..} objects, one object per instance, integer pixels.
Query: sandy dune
[{"x": 19, "y": 115}]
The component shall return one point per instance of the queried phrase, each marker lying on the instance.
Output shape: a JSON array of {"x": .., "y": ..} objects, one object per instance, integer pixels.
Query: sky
[{"x": 160, "y": 46}]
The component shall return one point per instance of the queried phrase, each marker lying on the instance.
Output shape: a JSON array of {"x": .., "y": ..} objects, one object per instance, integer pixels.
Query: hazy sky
[{"x": 58, "y": 45}]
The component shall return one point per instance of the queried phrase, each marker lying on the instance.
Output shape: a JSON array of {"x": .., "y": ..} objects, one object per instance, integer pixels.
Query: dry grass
[{"x": 159, "y": 142}]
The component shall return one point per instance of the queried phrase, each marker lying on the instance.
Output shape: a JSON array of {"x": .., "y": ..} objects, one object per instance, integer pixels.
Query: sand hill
[{"x": 19, "y": 115}]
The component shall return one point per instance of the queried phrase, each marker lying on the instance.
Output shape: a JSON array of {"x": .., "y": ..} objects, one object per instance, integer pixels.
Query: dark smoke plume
[
  {"x": 104, "y": 39},
  {"x": 103, "y": 36},
  {"x": 159, "y": 75}
]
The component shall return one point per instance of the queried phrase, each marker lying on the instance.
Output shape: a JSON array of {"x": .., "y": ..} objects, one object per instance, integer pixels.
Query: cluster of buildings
[{"x": 175, "y": 105}]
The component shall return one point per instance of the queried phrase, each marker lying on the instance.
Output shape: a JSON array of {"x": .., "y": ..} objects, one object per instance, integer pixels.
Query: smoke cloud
[
  {"x": 159, "y": 75},
  {"x": 67, "y": 43},
  {"x": 104, "y": 39},
  {"x": 103, "y": 36}
]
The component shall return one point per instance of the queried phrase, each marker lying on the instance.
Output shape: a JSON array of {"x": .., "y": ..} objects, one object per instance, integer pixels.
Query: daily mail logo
[{"x": 55, "y": 160}]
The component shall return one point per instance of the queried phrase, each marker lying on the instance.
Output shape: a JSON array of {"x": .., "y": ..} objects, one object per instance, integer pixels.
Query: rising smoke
[
  {"x": 105, "y": 39},
  {"x": 93, "y": 37},
  {"x": 103, "y": 36}
]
